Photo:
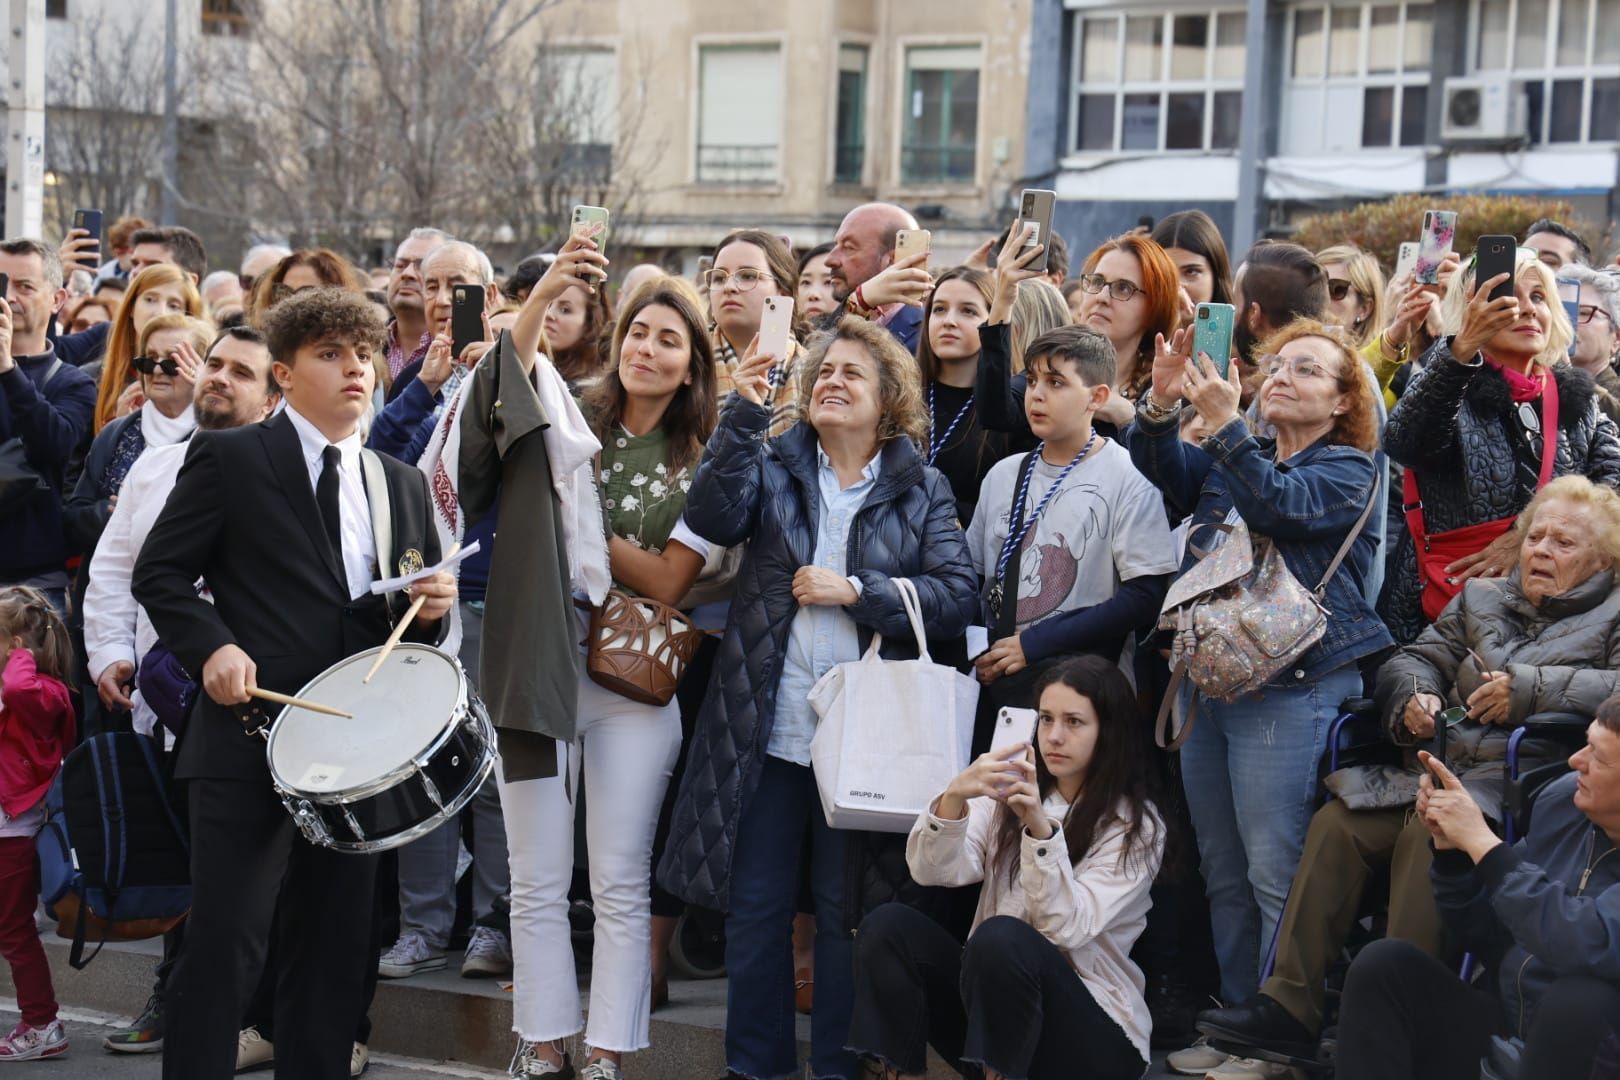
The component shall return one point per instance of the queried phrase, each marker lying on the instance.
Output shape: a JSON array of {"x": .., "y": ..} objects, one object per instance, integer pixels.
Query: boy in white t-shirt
[{"x": 1091, "y": 553}]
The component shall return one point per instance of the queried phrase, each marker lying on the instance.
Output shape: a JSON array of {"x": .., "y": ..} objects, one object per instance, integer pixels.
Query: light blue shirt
[{"x": 821, "y": 635}]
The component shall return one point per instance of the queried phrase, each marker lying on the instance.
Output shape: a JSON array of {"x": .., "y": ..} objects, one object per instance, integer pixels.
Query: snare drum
[{"x": 417, "y": 749}]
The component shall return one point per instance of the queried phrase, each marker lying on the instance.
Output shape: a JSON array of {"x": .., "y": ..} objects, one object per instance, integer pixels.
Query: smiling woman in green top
[{"x": 653, "y": 410}]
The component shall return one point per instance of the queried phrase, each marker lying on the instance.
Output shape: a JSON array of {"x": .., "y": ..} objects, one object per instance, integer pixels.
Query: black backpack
[{"x": 114, "y": 856}]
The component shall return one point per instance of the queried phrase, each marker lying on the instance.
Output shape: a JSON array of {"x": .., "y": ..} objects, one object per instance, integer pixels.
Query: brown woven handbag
[{"x": 639, "y": 647}]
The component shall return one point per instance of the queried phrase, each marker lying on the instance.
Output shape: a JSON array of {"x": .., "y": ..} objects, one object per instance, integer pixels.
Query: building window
[
  {"x": 56, "y": 9},
  {"x": 849, "y": 151},
  {"x": 1380, "y": 50},
  {"x": 739, "y": 114},
  {"x": 1567, "y": 54},
  {"x": 940, "y": 143},
  {"x": 1171, "y": 81},
  {"x": 225, "y": 17},
  {"x": 579, "y": 87}
]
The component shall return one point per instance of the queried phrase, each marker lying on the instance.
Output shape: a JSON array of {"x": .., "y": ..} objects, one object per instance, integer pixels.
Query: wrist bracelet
[{"x": 1155, "y": 412}]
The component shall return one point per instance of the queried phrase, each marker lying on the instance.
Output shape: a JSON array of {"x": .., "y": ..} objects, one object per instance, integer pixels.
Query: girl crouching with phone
[{"x": 1067, "y": 841}]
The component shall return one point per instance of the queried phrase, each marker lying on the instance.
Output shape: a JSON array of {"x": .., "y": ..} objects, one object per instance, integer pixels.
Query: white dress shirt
[{"x": 359, "y": 546}]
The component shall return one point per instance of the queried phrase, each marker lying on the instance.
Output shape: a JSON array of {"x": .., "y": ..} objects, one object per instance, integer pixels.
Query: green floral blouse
[{"x": 642, "y": 498}]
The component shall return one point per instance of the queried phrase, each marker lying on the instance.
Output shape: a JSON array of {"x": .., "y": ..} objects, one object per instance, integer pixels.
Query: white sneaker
[
  {"x": 525, "y": 1062},
  {"x": 489, "y": 954},
  {"x": 359, "y": 1060},
  {"x": 253, "y": 1050},
  {"x": 1249, "y": 1069},
  {"x": 410, "y": 955},
  {"x": 35, "y": 1043},
  {"x": 602, "y": 1069},
  {"x": 1197, "y": 1060}
]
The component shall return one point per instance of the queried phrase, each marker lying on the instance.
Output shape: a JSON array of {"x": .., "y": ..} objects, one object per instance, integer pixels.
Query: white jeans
[{"x": 628, "y": 752}]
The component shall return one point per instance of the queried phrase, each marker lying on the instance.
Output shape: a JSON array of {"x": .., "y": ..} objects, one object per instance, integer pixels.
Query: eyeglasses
[
  {"x": 1300, "y": 367},
  {"x": 1339, "y": 288},
  {"x": 1587, "y": 314},
  {"x": 1121, "y": 290},
  {"x": 745, "y": 279},
  {"x": 149, "y": 365}
]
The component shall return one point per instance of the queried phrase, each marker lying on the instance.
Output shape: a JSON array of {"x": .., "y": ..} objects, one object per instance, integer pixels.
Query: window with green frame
[
  {"x": 941, "y": 131},
  {"x": 849, "y": 153}
]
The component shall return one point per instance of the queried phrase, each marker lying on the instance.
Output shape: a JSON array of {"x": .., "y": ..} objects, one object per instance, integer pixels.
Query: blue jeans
[
  {"x": 1249, "y": 769},
  {"x": 761, "y": 1043}
]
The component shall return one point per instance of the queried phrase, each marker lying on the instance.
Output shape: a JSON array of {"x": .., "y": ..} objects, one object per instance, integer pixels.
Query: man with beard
[
  {"x": 1276, "y": 284},
  {"x": 408, "y": 334},
  {"x": 868, "y": 280},
  {"x": 234, "y": 387}
]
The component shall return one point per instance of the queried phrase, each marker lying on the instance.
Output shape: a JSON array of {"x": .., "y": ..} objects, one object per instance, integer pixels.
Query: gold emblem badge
[{"x": 410, "y": 563}]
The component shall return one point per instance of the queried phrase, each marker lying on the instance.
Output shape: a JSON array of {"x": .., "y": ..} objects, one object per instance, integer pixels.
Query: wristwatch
[{"x": 1151, "y": 410}]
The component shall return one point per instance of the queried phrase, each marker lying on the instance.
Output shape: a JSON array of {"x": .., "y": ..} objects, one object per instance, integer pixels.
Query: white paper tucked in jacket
[{"x": 1093, "y": 911}]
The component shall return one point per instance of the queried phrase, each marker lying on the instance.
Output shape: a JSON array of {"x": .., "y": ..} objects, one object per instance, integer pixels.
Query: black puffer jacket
[
  {"x": 766, "y": 493},
  {"x": 1456, "y": 426}
]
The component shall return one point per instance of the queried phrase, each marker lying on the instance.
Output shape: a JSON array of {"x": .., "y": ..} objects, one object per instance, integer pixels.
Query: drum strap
[{"x": 382, "y": 518}]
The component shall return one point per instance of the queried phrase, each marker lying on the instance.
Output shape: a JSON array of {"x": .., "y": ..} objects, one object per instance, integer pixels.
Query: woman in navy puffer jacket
[{"x": 832, "y": 512}]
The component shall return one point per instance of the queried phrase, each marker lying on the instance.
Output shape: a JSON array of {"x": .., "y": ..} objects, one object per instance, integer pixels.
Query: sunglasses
[
  {"x": 150, "y": 365},
  {"x": 1339, "y": 288}
]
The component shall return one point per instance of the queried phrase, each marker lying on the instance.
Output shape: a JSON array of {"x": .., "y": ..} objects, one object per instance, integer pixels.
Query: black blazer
[{"x": 243, "y": 517}]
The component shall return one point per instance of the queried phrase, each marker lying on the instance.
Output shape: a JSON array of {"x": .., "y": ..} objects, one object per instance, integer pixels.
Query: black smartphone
[
  {"x": 90, "y": 222},
  {"x": 466, "y": 317},
  {"x": 5, "y": 287},
  {"x": 1496, "y": 255}
]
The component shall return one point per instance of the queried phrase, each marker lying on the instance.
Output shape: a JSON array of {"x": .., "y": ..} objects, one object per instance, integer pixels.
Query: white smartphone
[
  {"x": 1013, "y": 726},
  {"x": 909, "y": 242},
  {"x": 776, "y": 326},
  {"x": 1407, "y": 258}
]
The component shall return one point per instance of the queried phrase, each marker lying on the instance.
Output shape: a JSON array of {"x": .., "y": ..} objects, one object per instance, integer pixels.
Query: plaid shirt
[
  {"x": 398, "y": 360},
  {"x": 784, "y": 406}
]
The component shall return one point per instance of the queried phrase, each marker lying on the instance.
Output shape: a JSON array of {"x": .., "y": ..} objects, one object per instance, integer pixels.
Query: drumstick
[
  {"x": 399, "y": 630},
  {"x": 297, "y": 703}
]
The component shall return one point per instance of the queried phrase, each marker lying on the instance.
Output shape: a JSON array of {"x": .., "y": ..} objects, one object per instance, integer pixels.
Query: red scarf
[{"x": 1521, "y": 388}]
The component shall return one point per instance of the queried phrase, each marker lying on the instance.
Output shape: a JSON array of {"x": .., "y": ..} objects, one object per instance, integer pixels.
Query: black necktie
[{"x": 326, "y": 497}]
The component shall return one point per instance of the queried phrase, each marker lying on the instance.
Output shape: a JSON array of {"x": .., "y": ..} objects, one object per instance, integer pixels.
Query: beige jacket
[{"x": 1094, "y": 910}]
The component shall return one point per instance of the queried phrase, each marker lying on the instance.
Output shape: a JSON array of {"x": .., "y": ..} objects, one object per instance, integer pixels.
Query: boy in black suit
[{"x": 284, "y": 521}]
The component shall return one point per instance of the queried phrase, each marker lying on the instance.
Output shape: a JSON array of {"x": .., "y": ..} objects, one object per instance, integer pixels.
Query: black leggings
[
  {"x": 1009, "y": 1001},
  {"x": 1405, "y": 1014}
]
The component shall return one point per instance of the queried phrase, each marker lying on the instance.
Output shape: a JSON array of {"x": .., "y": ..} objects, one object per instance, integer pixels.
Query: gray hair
[
  {"x": 216, "y": 278},
  {"x": 280, "y": 251},
  {"x": 50, "y": 262},
  {"x": 425, "y": 233},
  {"x": 1603, "y": 285},
  {"x": 486, "y": 271}
]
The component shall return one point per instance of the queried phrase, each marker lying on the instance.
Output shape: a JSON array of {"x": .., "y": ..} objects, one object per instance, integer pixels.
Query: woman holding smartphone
[
  {"x": 751, "y": 265},
  {"x": 1066, "y": 839},
  {"x": 1132, "y": 294},
  {"x": 652, "y": 411}
]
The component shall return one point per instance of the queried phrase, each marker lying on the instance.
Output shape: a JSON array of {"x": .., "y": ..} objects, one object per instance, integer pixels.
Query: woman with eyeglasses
[
  {"x": 750, "y": 265},
  {"x": 1249, "y": 765},
  {"x": 1597, "y": 332},
  {"x": 169, "y": 356},
  {"x": 1469, "y": 430},
  {"x": 1355, "y": 291},
  {"x": 158, "y": 290},
  {"x": 1131, "y": 295}
]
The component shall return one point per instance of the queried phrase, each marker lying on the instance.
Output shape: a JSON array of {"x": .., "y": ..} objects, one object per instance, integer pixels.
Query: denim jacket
[{"x": 1304, "y": 505}]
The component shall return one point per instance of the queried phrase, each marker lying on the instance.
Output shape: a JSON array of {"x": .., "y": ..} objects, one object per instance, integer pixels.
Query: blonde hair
[
  {"x": 1367, "y": 278},
  {"x": 1038, "y": 308},
  {"x": 905, "y": 411},
  {"x": 1559, "y": 332},
  {"x": 200, "y": 331},
  {"x": 122, "y": 340},
  {"x": 26, "y": 614},
  {"x": 1577, "y": 490}
]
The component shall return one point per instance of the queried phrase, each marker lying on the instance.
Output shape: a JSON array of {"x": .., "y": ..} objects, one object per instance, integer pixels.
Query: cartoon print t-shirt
[{"x": 1107, "y": 525}]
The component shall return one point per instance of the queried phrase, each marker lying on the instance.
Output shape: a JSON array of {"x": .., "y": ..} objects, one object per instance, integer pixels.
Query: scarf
[
  {"x": 160, "y": 430},
  {"x": 1521, "y": 388},
  {"x": 571, "y": 448}
]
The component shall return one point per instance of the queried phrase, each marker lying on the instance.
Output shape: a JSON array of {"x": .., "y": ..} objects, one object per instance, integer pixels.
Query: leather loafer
[{"x": 1260, "y": 1023}]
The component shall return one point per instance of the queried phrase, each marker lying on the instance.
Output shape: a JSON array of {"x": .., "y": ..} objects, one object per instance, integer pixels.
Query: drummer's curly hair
[{"x": 319, "y": 315}]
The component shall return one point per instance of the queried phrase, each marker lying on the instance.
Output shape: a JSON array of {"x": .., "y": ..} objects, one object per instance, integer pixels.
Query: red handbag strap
[{"x": 1413, "y": 504}]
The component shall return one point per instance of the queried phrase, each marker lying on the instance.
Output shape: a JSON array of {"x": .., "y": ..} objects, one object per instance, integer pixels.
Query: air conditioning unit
[{"x": 1489, "y": 109}]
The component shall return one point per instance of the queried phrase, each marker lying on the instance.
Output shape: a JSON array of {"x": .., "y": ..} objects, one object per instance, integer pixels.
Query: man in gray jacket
[{"x": 1543, "y": 915}]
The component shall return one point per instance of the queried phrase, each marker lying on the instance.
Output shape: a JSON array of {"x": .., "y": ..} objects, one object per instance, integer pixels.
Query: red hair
[{"x": 1161, "y": 287}]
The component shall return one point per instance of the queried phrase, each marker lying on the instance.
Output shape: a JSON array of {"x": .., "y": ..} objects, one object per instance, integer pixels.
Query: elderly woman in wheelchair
[{"x": 1502, "y": 656}]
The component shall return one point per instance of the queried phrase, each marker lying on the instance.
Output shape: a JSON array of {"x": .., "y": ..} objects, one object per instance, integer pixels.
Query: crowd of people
[{"x": 202, "y": 474}]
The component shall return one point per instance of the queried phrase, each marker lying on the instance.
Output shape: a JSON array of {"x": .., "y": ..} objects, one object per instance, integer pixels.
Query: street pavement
[{"x": 86, "y": 1060}]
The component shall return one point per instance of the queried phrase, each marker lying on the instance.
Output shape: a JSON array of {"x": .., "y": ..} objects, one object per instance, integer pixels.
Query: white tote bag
[{"x": 892, "y": 733}]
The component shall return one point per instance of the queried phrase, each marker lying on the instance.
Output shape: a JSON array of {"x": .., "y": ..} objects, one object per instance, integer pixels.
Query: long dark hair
[
  {"x": 1196, "y": 231},
  {"x": 980, "y": 281},
  {"x": 1117, "y": 777},
  {"x": 691, "y": 414},
  {"x": 584, "y": 358}
]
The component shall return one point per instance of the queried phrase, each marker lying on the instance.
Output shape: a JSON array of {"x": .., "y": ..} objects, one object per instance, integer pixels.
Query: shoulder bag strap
[
  {"x": 1549, "y": 425},
  {"x": 1344, "y": 548}
]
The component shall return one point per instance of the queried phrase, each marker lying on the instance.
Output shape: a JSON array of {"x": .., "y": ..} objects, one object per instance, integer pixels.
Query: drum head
[{"x": 406, "y": 706}]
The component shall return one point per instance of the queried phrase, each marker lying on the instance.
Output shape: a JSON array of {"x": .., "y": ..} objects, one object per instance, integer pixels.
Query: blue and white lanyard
[
  {"x": 936, "y": 445},
  {"x": 1013, "y": 541}
]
